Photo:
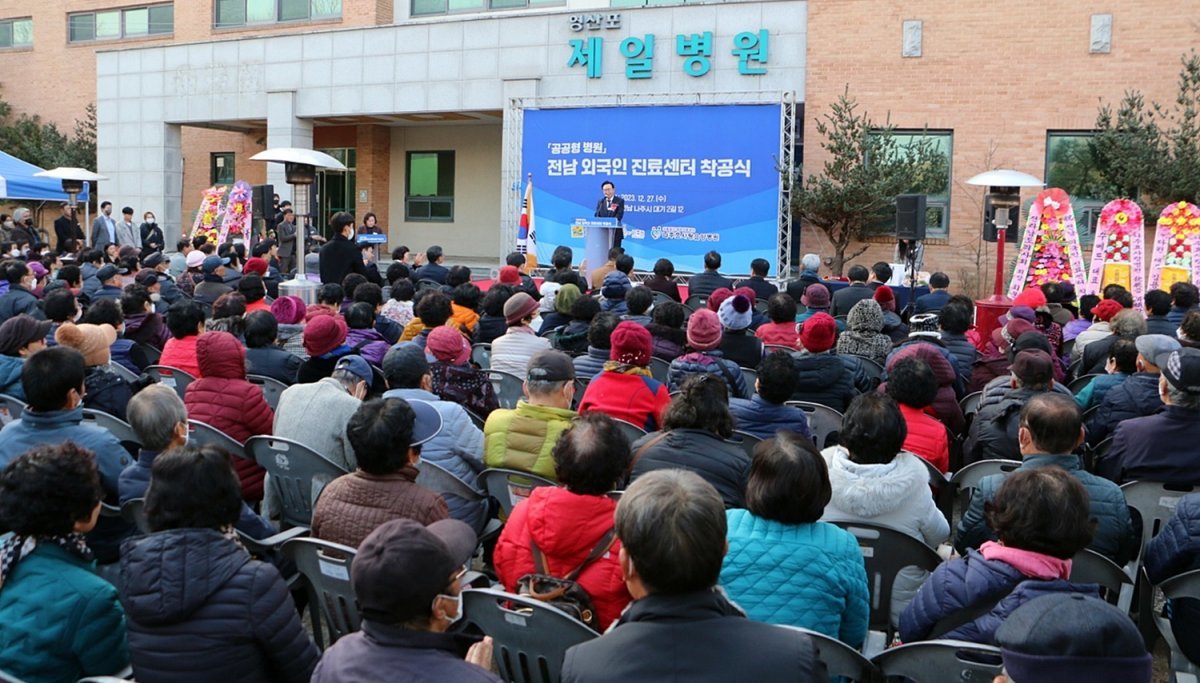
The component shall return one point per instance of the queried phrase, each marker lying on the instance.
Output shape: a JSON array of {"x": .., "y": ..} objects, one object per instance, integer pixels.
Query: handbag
[{"x": 565, "y": 594}]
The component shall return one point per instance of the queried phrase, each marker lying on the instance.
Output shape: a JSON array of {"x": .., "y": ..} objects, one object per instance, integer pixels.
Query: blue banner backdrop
[{"x": 694, "y": 178}]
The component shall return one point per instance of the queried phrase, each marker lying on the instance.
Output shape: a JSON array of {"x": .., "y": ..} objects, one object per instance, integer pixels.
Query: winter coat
[
  {"x": 1172, "y": 552},
  {"x": 668, "y": 342},
  {"x": 522, "y": 438},
  {"x": 489, "y": 328},
  {"x": 1093, "y": 394},
  {"x": 19, "y": 300},
  {"x": 106, "y": 391},
  {"x": 316, "y": 415},
  {"x": 927, "y": 438},
  {"x": 964, "y": 353},
  {"x": 591, "y": 363},
  {"x": 993, "y": 434},
  {"x": 61, "y": 621},
  {"x": 353, "y": 505},
  {"x": 571, "y": 338},
  {"x": 696, "y": 636},
  {"x": 181, "y": 353},
  {"x": 1159, "y": 447},
  {"x": 721, "y": 463},
  {"x": 779, "y": 334},
  {"x": 1114, "y": 536},
  {"x": 201, "y": 610},
  {"x": 760, "y": 418},
  {"x": 465, "y": 318},
  {"x": 566, "y": 527},
  {"x": 1160, "y": 324},
  {"x": 1000, "y": 387},
  {"x": 511, "y": 351},
  {"x": 932, "y": 302},
  {"x": 742, "y": 347},
  {"x": 636, "y": 399},
  {"x": 147, "y": 328},
  {"x": 464, "y": 385},
  {"x": 222, "y": 398},
  {"x": 844, "y": 299},
  {"x": 708, "y": 363},
  {"x": 1098, "y": 330},
  {"x": 864, "y": 337},
  {"x": 807, "y": 575},
  {"x": 945, "y": 404},
  {"x": 894, "y": 327},
  {"x": 1137, "y": 396},
  {"x": 960, "y": 584},
  {"x": 123, "y": 351},
  {"x": 10, "y": 376},
  {"x": 369, "y": 344},
  {"x": 551, "y": 321},
  {"x": 458, "y": 447},
  {"x": 384, "y": 652},
  {"x": 274, "y": 362},
  {"x": 896, "y": 495},
  {"x": 135, "y": 481},
  {"x": 824, "y": 378},
  {"x": 663, "y": 284},
  {"x": 706, "y": 282}
]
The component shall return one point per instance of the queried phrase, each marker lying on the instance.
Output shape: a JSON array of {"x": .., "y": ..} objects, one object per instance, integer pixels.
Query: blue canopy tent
[{"x": 18, "y": 182}]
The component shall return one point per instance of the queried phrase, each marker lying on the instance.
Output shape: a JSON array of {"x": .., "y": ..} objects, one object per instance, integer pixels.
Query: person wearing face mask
[
  {"x": 67, "y": 231},
  {"x": 316, "y": 414},
  {"x": 21, "y": 231},
  {"x": 104, "y": 228},
  {"x": 127, "y": 234},
  {"x": 152, "y": 235},
  {"x": 341, "y": 256},
  {"x": 19, "y": 298},
  {"x": 20, "y": 338},
  {"x": 143, "y": 325},
  {"x": 407, "y": 578}
]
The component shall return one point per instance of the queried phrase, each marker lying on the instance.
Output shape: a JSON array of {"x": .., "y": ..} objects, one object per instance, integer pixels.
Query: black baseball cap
[{"x": 550, "y": 366}]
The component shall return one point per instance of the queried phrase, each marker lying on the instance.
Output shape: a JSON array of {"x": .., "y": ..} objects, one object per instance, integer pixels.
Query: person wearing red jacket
[
  {"x": 224, "y": 399},
  {"x": 625, "y": 390},
  {"x": 913, "y": 385},
  {"x": 570, "y": 521}
]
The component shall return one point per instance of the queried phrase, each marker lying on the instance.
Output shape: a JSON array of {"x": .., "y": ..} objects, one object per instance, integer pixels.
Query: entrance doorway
[{"x": 336, "y": 189}]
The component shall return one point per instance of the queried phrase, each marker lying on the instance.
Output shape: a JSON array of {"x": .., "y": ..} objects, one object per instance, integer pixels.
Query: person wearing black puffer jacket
[
  {"x": 198, "y": 607},
  {"x": 825, "y": 377}
]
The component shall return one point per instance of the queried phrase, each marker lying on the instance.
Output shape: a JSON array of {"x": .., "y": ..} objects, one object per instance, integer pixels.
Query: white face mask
[
  {"x": 155, "y": 297},
  {"x": 457, "y": 599},
  {"x": 150, "y": 220}
]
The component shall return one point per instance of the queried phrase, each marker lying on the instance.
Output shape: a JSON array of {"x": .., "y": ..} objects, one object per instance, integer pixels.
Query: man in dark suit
[
  {"x": 704, "y": 284},
  {"x": 758, "y": 280},
  {"x": 67, "y": 232},
  {"x": 679, "y": 627},
  {"x": 845, "y": 298},
  {"x": 433, "y": 268},
  {"x": 937, "y": 296},
  {"x": 611, "y": 206},
  {"x": 285, "y": 231},
  {"x": 341, "y": 256}
]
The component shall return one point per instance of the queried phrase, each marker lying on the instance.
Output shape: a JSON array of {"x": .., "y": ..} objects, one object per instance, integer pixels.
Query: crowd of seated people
[{"x": 707, "y": 403}]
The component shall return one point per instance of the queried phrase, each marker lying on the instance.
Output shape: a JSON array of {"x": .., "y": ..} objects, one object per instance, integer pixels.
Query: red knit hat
[
  {"x": 885, "y": 298},
  {"x": 704, "y": 329},
  {"x": 1105, "y": 310},
  {"x": 631, "y": 344},
  {"x": 1032, "y": 297},
  {"x": 818, "y": 333},
  {"x": 256, "y": 265},
  {"x": 509, "y": 275},
  {"x": 717, "y": 297},
  {"x": 323, "y": 334}
]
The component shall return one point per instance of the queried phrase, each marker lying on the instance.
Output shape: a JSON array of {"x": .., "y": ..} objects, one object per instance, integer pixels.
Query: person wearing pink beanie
[
  {"x": 704, "y": 334},
  {"x": 624, "y": 389}
]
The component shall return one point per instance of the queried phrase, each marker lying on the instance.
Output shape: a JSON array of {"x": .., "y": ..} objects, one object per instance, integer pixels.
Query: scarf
[
  {"x": 626, "y": 369},
  {"x": 1032, "y": 564},
  {"x": 17, "y": 547}
]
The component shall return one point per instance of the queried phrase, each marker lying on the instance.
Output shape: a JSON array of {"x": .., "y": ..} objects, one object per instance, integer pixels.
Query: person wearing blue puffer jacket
[
  {"x": 21, "y": 336},
  {"x": 1176, "y": 549},
  {"x": 1042, "y": 518},
  {"x": 783, "y": 565}
]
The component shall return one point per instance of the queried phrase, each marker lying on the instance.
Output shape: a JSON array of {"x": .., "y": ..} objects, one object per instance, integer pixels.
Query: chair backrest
[
  {"x": 510, "y": 487},
  {"x": 1076, "y": 385},
  {"x": 660, "y": 370},
  {"x": 11, "y": 408},
  {"x": 839, "y": 658},
  {"x": 1089, "y": 566},
  {"x": 1155, "y": 504},
  {"x": 824, "y": 422},
  {"x": 750, "y": 377},
  {"x": 873, "y": 370},
  {"x": 772, "y": 348},
  {"x": 172, "y": 377},
  {"x": 204, "y": 434},
  {"x": 745, "y": 441},
  {"x": 152, "y": 353},
  {"x": 530, "y": 637},
  {"x": 481, "y": 355},
  {"x": 1073, "y": 368},
  {"x": 428, "y": 284},
  {"x": 297, "y": 472},
  {"x": 696, "y": 302},
  {"x": 885, "y": 552},
  {"x": 325, "y": 567},
  {"x": 937, "y": 661},
  {"x": 970, "y": 404},
  {"x": 969, "y": 476},
  {"x": 134, "y": 512},
  {"x": 475, "y": 419},
  {"x": 443, "y": 482},
  {"x": 272, "y": 388},
  {"x": 661, "y": 298},
  {"x": 115, "y": 426},
  {"x": 509, "y": 388},
  {"x": 630, "y": 430},
  {"x": 122, "y": 371}
]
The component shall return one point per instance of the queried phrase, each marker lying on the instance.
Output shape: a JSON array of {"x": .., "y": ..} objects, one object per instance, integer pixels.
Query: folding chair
[
  {"x": 325, "y": 567},
  {"x": 443, "y": 482},
  {"x": 530, "y": 637},
  {"x": 422, "y": 285},
  {"x": 944, "y": 489},
  {"x": 750, "y": 377},
  {"x": 1089, "y": 566},
  {"x": 11, "y": 408},
  {"x": 204, "y": 434},
  {"x": 481, "y": 355},
  {"x": 1153, "y": 503},
  {"x": 509, "y": 388},
  {"x": 297, "y": 472},
  {"x": 152, "y": 354},
  {"x": 874, "y": 370},
  {"x": 475, "y": 419},
  {"x": 761, "y": 306},
  {"x": 839, "y": 658},
  {"x": 660, "y": 370},
  {"x": 1076, "y": 385},
  {"x": 115, "y": 426},
  {"x": 772, "y": 348},
  {"x": 746, "y": 441},
  {"x": 937, "y": 661},
  {"x": 696, "y": 302},
  {"x": 122, "y": 371},
  {"x": 630, "y": 430},
  {"x": 824, "y": 422},
  {"x": 966, "y": 480},
  {"x": 660, "y": 299},
  {"x": 271, "y": 388},
  {"x": 1186, "y": 585},
  {"x": 172, "y": 377},
  {"x": 510, "y": 487},
  {"x": 134, "y": 512}
]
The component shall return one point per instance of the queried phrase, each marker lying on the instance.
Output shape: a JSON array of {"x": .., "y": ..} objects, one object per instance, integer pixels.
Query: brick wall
[
  {"x": 373, "y": 174},
  {"x": 998, "y": 75}
]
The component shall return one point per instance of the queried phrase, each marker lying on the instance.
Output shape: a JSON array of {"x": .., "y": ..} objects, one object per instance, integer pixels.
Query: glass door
[{"x": 335, "y": 189}]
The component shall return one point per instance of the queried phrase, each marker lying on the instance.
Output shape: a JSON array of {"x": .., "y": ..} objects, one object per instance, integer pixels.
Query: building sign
[
  {"x": 593, "y": 22},
  {"x": 749, "y": 47}
]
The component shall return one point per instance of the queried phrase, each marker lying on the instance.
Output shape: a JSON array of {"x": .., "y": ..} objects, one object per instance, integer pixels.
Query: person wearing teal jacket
[
  {"x": 785, "y": 567},
  {"x": 59, "y": 621}
]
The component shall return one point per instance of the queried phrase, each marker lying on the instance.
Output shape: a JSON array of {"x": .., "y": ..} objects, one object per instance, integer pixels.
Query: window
[
  {"x": 242, "y": 12},
  {"x": 426, "y": 7},
  {"x": 429, "y": 187},
  {"x": 113, "y": 24},
  {"x": 937, "y": 203},
  {"x": 221, "y": 168},
  {"x": 1071, "y": 165},
  {"x": 16, "y": 33}
]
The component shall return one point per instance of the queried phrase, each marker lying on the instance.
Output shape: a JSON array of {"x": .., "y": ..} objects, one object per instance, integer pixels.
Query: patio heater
[
  {"x": 73, "y": 180},
  {"x": 300, "y": 170},
  {"x": 1004, "y": 191}
]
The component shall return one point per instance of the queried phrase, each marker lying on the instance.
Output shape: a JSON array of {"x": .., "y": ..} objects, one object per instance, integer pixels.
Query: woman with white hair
[{"x": 809, "y": 265}]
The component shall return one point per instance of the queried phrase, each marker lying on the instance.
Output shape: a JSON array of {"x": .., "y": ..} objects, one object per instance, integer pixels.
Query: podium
[{"x": 597, "y": 239}]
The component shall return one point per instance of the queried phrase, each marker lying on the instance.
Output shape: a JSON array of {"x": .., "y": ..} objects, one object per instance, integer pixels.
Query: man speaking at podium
[{"x": 611, "y": 206}]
